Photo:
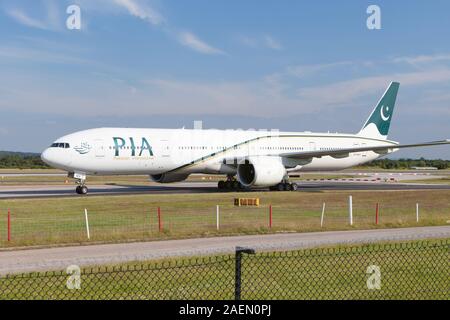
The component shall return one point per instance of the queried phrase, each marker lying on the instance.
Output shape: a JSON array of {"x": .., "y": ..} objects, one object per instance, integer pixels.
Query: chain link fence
[{"x": 411, "y": 270}]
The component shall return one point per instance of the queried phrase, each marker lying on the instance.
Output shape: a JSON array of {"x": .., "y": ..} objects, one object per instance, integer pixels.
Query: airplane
[{"x": 249, "y": 159}]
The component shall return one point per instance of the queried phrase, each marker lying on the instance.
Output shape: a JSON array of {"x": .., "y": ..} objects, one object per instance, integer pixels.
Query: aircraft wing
[{"x": 344, "y": 152}]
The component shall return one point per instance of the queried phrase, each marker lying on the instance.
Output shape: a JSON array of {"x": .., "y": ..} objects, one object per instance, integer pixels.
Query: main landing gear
[
  {"x": 284, "y": 186},
  {"x": 231, "y": 184}
]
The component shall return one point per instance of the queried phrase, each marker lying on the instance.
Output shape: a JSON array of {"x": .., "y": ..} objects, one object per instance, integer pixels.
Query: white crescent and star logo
[{"x": 382, "y": 113}]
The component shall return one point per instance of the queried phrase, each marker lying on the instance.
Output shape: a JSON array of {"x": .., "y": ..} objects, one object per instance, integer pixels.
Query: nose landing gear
[{"x": 80, "y": 179}]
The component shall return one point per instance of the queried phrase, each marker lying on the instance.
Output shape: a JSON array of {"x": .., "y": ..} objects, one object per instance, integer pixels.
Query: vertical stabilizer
[{"x": 379, "y": 121}]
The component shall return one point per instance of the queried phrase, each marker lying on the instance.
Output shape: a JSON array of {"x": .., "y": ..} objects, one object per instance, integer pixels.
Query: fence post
[
  {"x": 376, "y": 213},
  {"x": 159, "y": 220},
  {"x": 270, "y": 216},
  {"x": 87, "y": 223},
  {"x": 350, "y": 209},
  {"x": 217, "y": 217},
  {"x": 417, "y": 212},
  {"x": 9, "y": 225},
  {"x": 238, "y": 270},
  {"x": 323, "y": 213}
]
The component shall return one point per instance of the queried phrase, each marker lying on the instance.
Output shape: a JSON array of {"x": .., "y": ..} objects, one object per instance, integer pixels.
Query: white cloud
[
  {"x": 190, "y": 40},
  {"x": 345, "y": 91},
  {"x": 271, "y": 95},
  {"x": 142, "y": 11},
  {"x": 301, "y": 71},
  {"x": 52, "y": 54},
  {"x": 145, "y": 12},
  {"x": 50, "y": 21},
  {"x": 266, "y": 41},
  {"x": 22, "y": 18},
  {"x": 261, "y": 98},
  {"x": 271, "y": 43},
  {"x": 422, "y": 59}
]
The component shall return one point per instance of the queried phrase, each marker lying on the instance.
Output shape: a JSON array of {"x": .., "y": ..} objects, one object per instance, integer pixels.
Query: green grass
[
  {"x": 411, "y": 270},
  {"x": 445, "y": 180},
  {"x": 134, "y": 217}
]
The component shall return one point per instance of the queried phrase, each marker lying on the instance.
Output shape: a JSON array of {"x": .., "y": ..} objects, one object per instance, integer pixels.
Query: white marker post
[
  {"x": 87, "y": 223},
  {"x": 350, "y": 209},
  {"x": 417, "y": 212},
  {"x": 323, "y": 213},
  {"x": 217, "y": 217}
]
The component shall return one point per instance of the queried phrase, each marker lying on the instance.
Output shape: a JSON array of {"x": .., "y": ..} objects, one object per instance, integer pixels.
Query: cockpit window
[{"x": 63, "y": 145}]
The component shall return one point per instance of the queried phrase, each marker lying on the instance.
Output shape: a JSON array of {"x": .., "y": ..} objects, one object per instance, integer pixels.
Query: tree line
[
  {"x": 408, "y": 163},
  {"x": 21, "y": 161}
]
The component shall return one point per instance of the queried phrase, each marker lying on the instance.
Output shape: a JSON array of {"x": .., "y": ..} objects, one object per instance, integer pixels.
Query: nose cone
[
  {"x": 56, "y": 157},
  {"x": 47, "y": 157}
]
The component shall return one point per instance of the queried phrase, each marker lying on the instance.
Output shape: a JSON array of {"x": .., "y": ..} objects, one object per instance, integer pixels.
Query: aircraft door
[
  {"x": 356, "y": 145},
  {"x": 100, "y": 148}
]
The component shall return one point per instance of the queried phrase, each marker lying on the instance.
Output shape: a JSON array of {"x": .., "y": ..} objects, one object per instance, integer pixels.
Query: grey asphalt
[
  {"x": 10, "y": 192},
  {"x": 59, "y": 258}
]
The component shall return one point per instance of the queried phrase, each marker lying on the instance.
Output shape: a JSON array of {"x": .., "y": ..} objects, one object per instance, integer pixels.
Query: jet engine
[
  {"x": 169, "y": 177},
  {"x": 261, "y": 172}
]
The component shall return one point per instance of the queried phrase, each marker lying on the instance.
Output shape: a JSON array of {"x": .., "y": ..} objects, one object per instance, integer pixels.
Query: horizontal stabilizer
[{"x": 341, "y": 153}]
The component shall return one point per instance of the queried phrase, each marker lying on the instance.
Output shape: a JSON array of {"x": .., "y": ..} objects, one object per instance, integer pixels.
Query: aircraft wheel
[
  {"x": 294, "y": 186},
  {"x": 287, "y": 187},
  {"x": 221, "y": 185},
  {"x": 83, "y": 190},
  {"x": 228, "y": 185},
  {"x": 77, "y": 190},
  {"x": 235, "y": 185},
  {"x": 280, "y": 187}
]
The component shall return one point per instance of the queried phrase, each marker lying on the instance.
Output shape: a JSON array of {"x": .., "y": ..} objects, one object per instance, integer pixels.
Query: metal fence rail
[
  {"x": 33, "y": 226},
  {"x": 412, "y": 270}
]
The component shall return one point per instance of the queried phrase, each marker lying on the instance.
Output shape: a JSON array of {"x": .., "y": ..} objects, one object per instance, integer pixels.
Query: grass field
[
  {"x": 53, "y": 221},
  {"x": 413, "y": 270},
  {"x": 434, "y": 181}
]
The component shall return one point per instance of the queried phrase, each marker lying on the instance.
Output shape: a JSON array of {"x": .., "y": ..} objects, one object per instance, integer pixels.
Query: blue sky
[{"x": 290, "y": 65}]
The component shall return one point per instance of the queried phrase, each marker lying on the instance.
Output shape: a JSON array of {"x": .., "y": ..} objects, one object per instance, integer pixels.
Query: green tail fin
[{"x": 377, "y": 126}]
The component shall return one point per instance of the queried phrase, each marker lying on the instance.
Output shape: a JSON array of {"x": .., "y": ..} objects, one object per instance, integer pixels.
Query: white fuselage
[{"x": 122, "y": 151}]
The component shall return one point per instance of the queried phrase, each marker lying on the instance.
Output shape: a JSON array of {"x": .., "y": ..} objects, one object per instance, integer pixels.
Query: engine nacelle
[
  {"x": 261, "y": 172},
  {"x": 169, "y": 177}
]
